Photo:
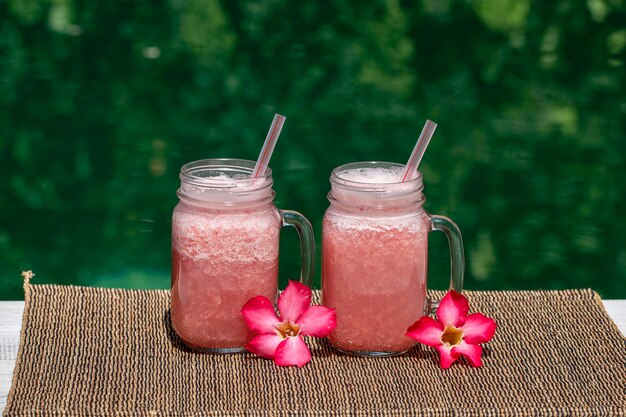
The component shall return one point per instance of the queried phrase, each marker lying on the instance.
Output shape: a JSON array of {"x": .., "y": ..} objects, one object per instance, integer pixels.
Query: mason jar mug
[
  {"x": 225, "y": 234},
  {"x": 374, "y": 257}
]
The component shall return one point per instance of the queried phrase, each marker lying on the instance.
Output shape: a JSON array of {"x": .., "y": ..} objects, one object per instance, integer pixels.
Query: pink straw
[
  {"x": 410, "y": 170},
  {"x": 268, "y": 146}
]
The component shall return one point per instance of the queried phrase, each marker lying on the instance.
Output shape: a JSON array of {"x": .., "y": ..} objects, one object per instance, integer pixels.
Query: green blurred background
[{"x": 101, "y": 102}]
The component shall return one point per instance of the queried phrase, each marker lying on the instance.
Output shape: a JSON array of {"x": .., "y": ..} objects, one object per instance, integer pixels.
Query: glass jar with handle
[
  {"x": 374, "y": 257},
  {"x": 225, "y": 234}
]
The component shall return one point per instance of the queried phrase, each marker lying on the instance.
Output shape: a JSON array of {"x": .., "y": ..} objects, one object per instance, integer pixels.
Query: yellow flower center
[
  {"x": 287, "y": 329},
  {"x": 451, "y": 336}
]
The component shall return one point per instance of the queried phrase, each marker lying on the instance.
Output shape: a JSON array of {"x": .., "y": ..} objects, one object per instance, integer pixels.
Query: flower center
[
  {"x": 287, "y": 329},
  {"x": 451, "y": 336}
]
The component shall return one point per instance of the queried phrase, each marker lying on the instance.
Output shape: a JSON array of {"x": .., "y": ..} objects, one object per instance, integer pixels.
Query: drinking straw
[
  {"x": 410, "y": 169},
  {"x": 268, "y": 146}
]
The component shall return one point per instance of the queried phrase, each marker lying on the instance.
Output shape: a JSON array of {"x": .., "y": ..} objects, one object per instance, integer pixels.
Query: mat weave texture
[{"x": 106, "y": 352}]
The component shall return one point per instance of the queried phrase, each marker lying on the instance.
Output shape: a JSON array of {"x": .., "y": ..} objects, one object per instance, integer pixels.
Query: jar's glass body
[
  {"x": 224, "y": 252},
  {"x": 374, "y": 258},
  {"x": 374, "y": 275}
]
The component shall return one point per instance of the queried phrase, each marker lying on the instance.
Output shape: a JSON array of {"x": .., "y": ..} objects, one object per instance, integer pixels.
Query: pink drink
[
  {"x": 221, "y": 259},
  {"x": 375, "y": 278},
  {"x": 225, "y": 233},
  {"x": 374, "y": 260}
]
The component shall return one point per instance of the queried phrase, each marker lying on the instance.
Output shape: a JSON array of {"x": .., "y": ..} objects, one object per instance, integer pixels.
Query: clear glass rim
[
  {"x": 411, "y": 186},
  {"x": 189, "y": 171}
]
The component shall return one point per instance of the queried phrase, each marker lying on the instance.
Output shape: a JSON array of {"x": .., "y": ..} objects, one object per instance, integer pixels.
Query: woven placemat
[{"x": 106, "y": 352}]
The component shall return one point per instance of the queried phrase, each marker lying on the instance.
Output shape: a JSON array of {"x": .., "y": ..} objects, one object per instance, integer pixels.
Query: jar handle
[
  {"x": 307, "y": 243},
  {"x": 457, "y": 256}
]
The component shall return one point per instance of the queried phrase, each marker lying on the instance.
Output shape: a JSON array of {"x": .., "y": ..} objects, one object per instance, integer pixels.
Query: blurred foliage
[{"x": 102, "y": 102}]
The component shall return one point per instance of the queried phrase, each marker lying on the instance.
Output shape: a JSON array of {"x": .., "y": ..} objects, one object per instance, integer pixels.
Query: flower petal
[
  {"x": 426, "y": 330},
  {"x": 478, "y": 329},
  {"x": 294, "y": 301},
  {"x": 471, "y": 352},
  {"x": 259, "y": 315},
  {"x": 447, "y": 356},
  {"x": 292, "y": 351},
  {"x": 317, "y": 321},
  {"x": 452, "y": 309},
  {"x": 264, "y": 345}
]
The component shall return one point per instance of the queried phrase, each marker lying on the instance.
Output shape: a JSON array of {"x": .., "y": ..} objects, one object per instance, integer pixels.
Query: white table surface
[{"x": 11, "y": 322}]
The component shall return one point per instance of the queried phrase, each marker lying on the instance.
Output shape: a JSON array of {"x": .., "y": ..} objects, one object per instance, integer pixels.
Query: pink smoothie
[
  {"x": 374, "y": 274},
  {"x": 221, "y": 259}
]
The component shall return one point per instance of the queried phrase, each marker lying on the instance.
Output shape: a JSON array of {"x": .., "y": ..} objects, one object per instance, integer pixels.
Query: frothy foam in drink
[
  {"x": 378, "y": 175},
  {"x": 211, "y": 186},
  {"x": 385, "y": 180}
]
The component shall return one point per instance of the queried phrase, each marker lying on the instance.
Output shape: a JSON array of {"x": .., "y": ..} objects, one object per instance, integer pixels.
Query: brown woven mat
[{"x": 106, "y": 352}]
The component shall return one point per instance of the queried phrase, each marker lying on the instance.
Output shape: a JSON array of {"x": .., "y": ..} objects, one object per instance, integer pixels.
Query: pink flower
[
  {"x": 281, "y": 338},
  {"x": 455, "y": 334}
]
